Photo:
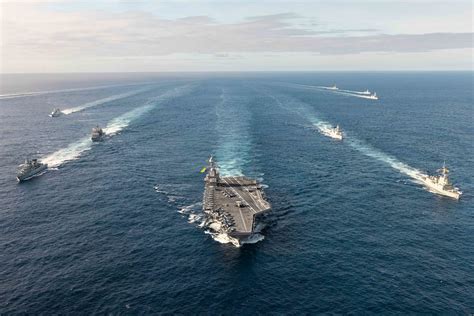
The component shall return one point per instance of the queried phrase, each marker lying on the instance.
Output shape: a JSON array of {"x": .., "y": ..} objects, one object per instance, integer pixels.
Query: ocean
[{"x": 116, "y": 227}]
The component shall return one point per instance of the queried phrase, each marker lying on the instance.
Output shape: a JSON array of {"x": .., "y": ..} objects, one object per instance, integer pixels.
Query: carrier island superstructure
[{"x": 235, "y": 204}]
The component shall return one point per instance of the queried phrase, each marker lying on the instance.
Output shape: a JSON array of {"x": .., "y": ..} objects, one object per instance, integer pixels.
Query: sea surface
[{"x": 116, "y": 227}]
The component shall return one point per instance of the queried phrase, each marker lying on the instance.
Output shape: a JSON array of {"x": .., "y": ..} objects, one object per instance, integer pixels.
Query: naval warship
[
  {"x": 236, "y": 204},
  {"x": 333, "y": 132},
  {"x": 56, "y": 112},
  {"x": 29, "y": 169},
  {"x": 440, "y": 184},
  {"x": 97, "y": 134}
]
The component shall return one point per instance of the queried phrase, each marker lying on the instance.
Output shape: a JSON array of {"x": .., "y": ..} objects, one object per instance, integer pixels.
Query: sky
[{"x": 48, "y": 36}]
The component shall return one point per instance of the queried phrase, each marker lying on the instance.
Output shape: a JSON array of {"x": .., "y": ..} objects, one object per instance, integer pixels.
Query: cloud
[{"x": 36, "y": 31}]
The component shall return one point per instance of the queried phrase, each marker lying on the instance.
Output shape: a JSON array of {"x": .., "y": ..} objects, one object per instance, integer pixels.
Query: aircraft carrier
[{"x": 235, "y": 204}]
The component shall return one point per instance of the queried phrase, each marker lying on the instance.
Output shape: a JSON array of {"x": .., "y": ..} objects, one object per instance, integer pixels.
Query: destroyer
[
  {"x": 334, "y": 132},
  {"x": 234, "y": 205},
  {"x": 29, "y": 169},
  {"x": 440, "y": 184},
  {"x": 56, "y": 113},
  {"x": 97, "y": 134}
]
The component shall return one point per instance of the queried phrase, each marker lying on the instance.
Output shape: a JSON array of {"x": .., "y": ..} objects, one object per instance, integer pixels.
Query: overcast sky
[{"x": 194, "y": 35}]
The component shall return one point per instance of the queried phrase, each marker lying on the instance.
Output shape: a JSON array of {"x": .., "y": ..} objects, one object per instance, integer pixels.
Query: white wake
[
  {"x": 234, "y": 143},
  {"x": 102, "y": 101},
  {"x": 306, "y": 112},
  {"x": 75, "y": 150},
  {"x": 362, "y": 96},
  {"x": 33, "y": 93},
  {"x": 355, "y": 92},
  {"x": 71, "y": 152},
  {"x": 350, "y": 93}
]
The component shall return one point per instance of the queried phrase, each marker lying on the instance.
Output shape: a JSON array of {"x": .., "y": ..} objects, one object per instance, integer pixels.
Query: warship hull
[
  {"x": 31, "y": 174},
  {"x": 440, "y": 190}
]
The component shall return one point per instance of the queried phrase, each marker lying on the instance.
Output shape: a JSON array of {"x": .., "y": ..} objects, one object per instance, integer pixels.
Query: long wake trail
[
  {"x": 34, "y": 93},
  {"x": 74, "y": 150},
  {"x": 234, "y": 144},
  {"x": 341, "y": 92},
  {"x": 304, "y": 111},
  {"x": 350, "y": 93},
  {"x": 102, "y": 101}
]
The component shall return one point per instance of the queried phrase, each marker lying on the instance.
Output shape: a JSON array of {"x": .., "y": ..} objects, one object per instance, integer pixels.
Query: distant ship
[
  {"x": 56, "y": 113},
  {"x": 440, "y": 184},
  {"x": 97, "y": 134},
  {"x": 373, "y": 96},
  {"x": 334, "y": 132},
  {"x": 366, "y": 92},
  {"x": 29, "y": 169},
  {"x": 233, "y": 205},
  {"x": 334, "y": 87}
]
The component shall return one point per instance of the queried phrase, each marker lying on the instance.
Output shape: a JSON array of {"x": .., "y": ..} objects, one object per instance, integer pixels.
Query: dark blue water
[{"x": 112, "y": 227}]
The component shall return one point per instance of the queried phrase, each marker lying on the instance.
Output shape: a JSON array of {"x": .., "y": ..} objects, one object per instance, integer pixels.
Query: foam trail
[
  {"x": 306, "y": 112},
  {"x": 341, "y": 90},
  {"x": 76, "y": 149},
  {"x": 234, "y": 138},
  {"x": 393, "y": 162},
  {"x": 119, "y": 123},
  {"x": 102, "y": 101},
  {"x": 71, "y": 152},
  {"x": 354, "y": 95},
  {"x": 369, "y": 151},
  {"x": 33, "y": 93},
  {"x": 355, "y": 92}
]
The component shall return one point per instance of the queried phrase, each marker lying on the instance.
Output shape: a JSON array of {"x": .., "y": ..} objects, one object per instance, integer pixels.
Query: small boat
[
  {"x": 98, "y": 134},
  {"x": 366, "y": 92},
  {"x": 334, "y": 87},
  {"x": 440, "y": 184},
  {"x": 29, "y": 169},
  {"x": 56, "y": 112}
]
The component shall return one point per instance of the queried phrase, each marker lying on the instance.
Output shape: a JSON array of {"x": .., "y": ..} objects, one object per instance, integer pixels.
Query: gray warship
[
  {"x": 29, "y": 169},
  {"x": 56, "y": 112},
  {"x": 97, "y": 134},
  {"x": 236, "y": 204}
]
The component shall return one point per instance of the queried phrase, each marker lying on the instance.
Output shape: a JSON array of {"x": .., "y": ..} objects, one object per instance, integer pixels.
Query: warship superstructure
[
  {"x": 56, "y": 112},
  {"x": 373, "y": 96},
  {"x": 233, "y": 204},
  {"x": 440, "y": 184},
  {"x": 97, "y": 134},
  {"x": 334, "y": 132},
  {"x": 29, "y": 169}
]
